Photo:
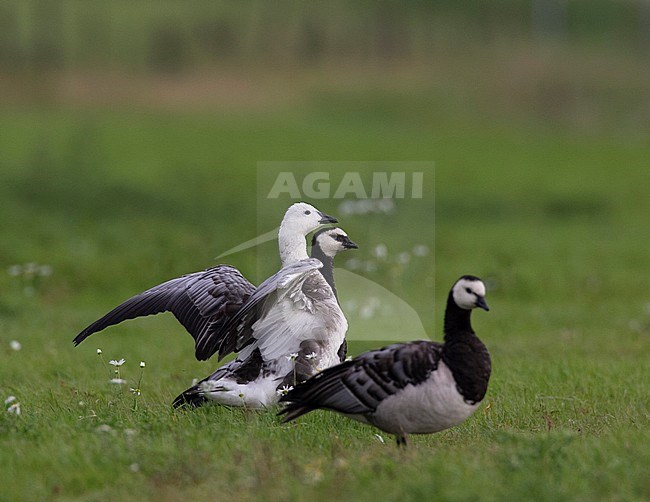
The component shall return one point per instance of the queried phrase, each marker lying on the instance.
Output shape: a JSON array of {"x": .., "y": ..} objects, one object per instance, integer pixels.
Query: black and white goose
[
  {"x": 411, "y": 388},
  {"x": 203, "y": 302},
  {"x": 255, "y": 378}
]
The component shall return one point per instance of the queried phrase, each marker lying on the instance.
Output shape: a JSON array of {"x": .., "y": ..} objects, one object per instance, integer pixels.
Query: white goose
[
  {"x": 203, "y": 302},
  {"x": 291, "y": 327},
  {"x": 411, "y": 388}
]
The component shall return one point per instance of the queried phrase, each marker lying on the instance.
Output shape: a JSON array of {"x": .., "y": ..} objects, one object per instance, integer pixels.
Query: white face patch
[
  {"x": 328, "y": 243},
  {"x": 466, "y": 292}
]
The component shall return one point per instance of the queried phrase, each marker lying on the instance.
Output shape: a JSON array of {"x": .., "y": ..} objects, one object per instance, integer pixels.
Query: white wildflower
[
  {"x": 117, "y": 381},
  {"x": 292, "y": 357},
  {"x": 45, "y": 270},
  {"x": 134, "y": 391},
  {"x": 206, "y": 386},
  {"x": 370, "y": 266},
  {"x": 142, "y": 364},
  {"x": 353, "y": 264},
  {"x": 380, "y": 439},
  {"x": 15, "y": 345},
  {"x": 366, "y": 312},
  {"x": 14, "y": 409},
  {"x": 15, "y": 270},
  {"x": 117, "y": 363},
  {"x": 284, "y": 390},
  {"x": 10, "y": 399},
  {"x": 420, "y": 250},
  {"x": 31, "y": 269},
  {"x": 380, "y": 251},
  {"x": 99, "y": 351},
  {"x": 404, "y": 257},
  {"x": 313, "y": 355}
]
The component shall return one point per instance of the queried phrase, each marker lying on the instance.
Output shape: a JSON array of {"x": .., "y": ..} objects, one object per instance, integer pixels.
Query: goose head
[
  {"x": 302, "y": 218},
  {"x": 332, "y": 241},
  {"x": 469, "y": 293}
]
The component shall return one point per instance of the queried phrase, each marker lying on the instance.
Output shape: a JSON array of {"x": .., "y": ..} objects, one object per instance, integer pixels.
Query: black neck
[
  {"x": 457, "y": 320},
  {"x": 464, "y": 354},
  {"x": 327, "y": 270}
]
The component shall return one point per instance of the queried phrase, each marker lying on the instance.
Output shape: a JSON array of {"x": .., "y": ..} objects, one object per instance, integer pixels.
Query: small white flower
[
  {"x": 117, "y": 363},
  {"x": 353, "y": 264},
  {"x": 99, "y": 351},
  {"x": 15, "y": 270},
  {"x": 420, "y": 250},
  {"x": 370, "y": 266},
  {"x": 381, "y": 439},
  {"x": 45, "y": 270},
  {"x": 404, "y": 257},
  {"x": 142, "y": 364},
  {"x": 380, "y": 251},
  {"x": 134, "y": 391},
  {"x": 366, "y": 312},
  {"x": 117, "y": 381},
  {"x": 206, "y": 386},
  {"x": 15, "y": 345},
  {"x": 284, "y": 390},
  {"x": 292, "y": 357},
  {"x": 10, "y": 399},
  {"x": 31, "y": 269},
  {"x": 14, "y": 409},
  {"x": 313, "y": 355}
]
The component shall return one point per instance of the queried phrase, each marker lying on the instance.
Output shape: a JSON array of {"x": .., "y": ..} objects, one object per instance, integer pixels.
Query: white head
[
  {"x": 469, "y": 293},
  {"x": 332, "y": 241},
  {"x": 302, "y": 218}
]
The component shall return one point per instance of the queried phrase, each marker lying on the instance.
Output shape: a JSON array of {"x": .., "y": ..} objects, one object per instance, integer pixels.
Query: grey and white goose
[
  {"x": 409, "y": 388},
  {"x": 254, "y": 378},
  {"x": 203, "y": 302}
]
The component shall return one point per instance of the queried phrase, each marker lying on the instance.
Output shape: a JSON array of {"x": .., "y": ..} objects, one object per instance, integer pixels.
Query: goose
[
  {"x": 418, "y": 387},
  {"x": 251, "y": 381},
  {"x": 203, "y": 302}
]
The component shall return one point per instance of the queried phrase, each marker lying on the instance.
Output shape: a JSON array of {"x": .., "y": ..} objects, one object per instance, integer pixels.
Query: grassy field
[{"x": 114, "y": 203}]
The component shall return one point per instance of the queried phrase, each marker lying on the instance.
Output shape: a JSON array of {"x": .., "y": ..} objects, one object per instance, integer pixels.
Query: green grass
[{"x": 116, "y": 202}]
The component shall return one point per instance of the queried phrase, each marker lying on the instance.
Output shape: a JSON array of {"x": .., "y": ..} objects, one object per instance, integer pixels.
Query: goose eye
[
  {"x": 308, "y": 211},
  {"x": 467, "y": 290}
]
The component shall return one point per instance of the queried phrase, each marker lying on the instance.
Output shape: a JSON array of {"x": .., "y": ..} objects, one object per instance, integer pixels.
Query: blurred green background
[{"x": 130, "y": 137}]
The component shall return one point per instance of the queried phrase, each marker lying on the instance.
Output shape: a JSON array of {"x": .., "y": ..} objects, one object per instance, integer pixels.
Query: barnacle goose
[
  {"x": 203, "y": 302},
  {"x": 313, "y": 342},
  {"x": 408, "y": 388}
]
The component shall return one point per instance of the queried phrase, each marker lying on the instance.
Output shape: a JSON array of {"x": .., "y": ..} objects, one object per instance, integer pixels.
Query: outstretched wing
[
  {"x": 267, "y": 303},
  {"x": 203, "y": 302},
  {"x": 357, "y": 387}
]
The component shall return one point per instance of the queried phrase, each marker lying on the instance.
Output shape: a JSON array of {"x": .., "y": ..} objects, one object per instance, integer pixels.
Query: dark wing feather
[
  {"x": 238, "y": 332},
  {"x": 202, "y": 302},
  {"x": 359, "y": 385}
]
